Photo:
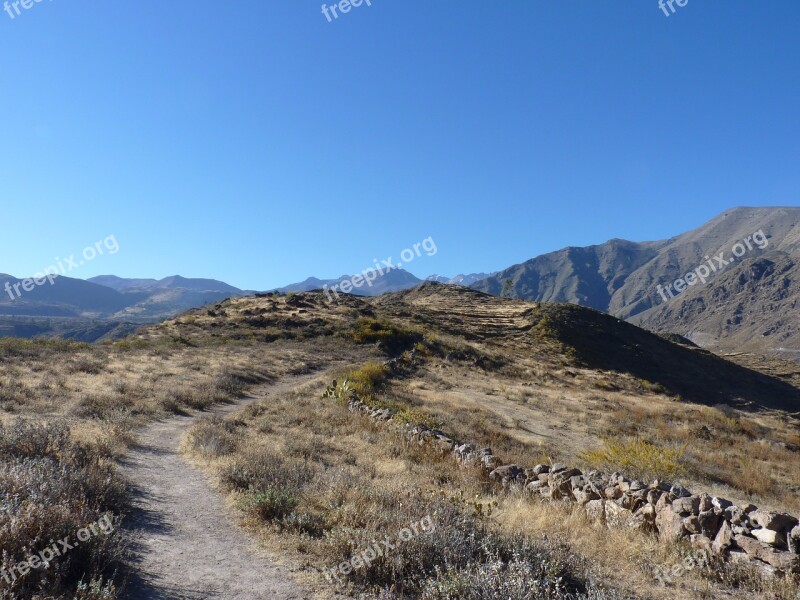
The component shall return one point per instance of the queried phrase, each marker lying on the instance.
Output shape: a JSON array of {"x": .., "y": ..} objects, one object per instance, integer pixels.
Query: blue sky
[{"x": 255, "y": 142}]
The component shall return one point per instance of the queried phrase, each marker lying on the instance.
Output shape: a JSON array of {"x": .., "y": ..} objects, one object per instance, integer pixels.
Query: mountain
[
  {"x": 744, "y": 302},
  {"x": 102, "y": 307},
  {"x": 393, "y": 280},
  {"x": 122, "y": 284},
  {"x": 64, "y": 297},
  {"x": 168, "y": 283},
  {"x": 465, "y": 280}
]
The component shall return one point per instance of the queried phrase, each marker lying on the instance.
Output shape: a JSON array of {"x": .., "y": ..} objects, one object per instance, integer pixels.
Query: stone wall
[{"x": 710, "y": 524}]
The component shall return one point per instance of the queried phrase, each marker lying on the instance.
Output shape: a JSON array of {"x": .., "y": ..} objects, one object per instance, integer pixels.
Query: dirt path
[{"x": 187, "y": 543}]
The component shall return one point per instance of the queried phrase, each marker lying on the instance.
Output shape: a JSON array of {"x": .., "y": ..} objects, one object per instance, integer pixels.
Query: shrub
[
  {"x": 637, "y": 458},
  {"x": 392, "y": 338},
  {"x": 49, "y": 489},
  {"x": 213, "y": 437},
  {"x": 271, "y": 505}
]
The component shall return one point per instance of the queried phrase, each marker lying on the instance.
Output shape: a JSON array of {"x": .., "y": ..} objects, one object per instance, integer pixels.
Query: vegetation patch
[{"x": 638, "y": 458}]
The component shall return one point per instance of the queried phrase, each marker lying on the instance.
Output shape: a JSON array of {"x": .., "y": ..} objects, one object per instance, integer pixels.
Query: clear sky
[{"x": 255, "y": 142}]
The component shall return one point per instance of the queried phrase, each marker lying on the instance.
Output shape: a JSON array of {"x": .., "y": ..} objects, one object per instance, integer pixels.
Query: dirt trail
[{"x": 187, "y": 543}]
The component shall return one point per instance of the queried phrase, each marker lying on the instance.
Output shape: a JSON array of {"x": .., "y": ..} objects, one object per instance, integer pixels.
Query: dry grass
[{"x": 317, "y": 483}]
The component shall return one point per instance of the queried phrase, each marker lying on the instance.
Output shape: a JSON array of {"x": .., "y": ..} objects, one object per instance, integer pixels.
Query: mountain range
[
  {"x": 749, "y": 303},
  {"x": 394, "y": 280},
  {"x": 732, "y": 284}
]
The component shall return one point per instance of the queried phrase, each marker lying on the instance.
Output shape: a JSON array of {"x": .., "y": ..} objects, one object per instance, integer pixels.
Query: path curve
[{"x": 186, "y": 541}]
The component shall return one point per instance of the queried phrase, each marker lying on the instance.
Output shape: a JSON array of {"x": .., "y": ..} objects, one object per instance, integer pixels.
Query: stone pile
[{"x": 710, "y": 524}]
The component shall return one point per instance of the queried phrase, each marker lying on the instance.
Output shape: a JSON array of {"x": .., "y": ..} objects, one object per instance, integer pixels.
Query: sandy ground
[{"x": 187, "y": 542}]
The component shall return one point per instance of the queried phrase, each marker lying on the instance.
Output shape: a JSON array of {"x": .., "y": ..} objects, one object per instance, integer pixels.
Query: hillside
[
  {"x": 623, "y": 279},
  {"x": 555, "y": 384}
]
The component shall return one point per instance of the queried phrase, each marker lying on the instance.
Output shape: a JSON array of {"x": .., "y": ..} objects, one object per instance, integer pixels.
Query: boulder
[
  {"x": 644, "y": 519},
  {"x": 723, "y": 540},
  {"x": 490, "y": 462},
  {"x": 616, "y": 516},
  {"x": 596, "y": 511},
  {"x": 700, "y": 542},
  {"x": 783, "y": 561},
  {"x": 538, "y": 469},
  {"x": 677, "y": 491},
  {"x": 555, "y": 468},
  {"x": 653, "y": 496},
  {"x": 507, "y": 474},
  {"x": 585, "y": 495},
  {"x": 687, "y": 505},
  {"x": 768, "y": 536},
  {"x": 709, "y": 523},
  {"x": 721, "y": 503},
  {"x": 669, "y": 525},
  {"x": 773, "y": 521},
  {"x": 692, "y": 524},
  {"x": 535, "y": 486}
]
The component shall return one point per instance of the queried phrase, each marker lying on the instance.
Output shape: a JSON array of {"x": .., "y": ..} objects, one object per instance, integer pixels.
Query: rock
[
  {"x": 612, "y": 492},
  {"x": 558, "y": 467},
  {"x": 748, "y": 508},
  {"x": 664, "y": 501},
  {"x": 700, "y": 542},
  {"x": 768, "y": 536},
  {"x": 635, "y": 486},
  {"x": 577, "y": 482},
  {"x": 535, "y": 486},
  {"x": 677, "y": 491},
  {"x": 538, "y": 469},
  {"x": 709, "y": 523},
  {"x": 616, "y": 516},
  {"x": 585, "y": 495},
  {"x": 783, "y": 561},
  {"x": 596, "y": 511},
  {"x": 567, "y": 473},
  {"x": 692, "y": 524},
  {"x": 735, "y": 515},
  {"x": 669, "y": 525},
  {"x": 773, "y": 521},
  {"x": 507, "y": 474},
  {"x": 686, "y": 505},
  {"x": 723, "y": 540},
  {"x": 793, "y": 540},
  {"x": 464, "y": 449},
  {"x": 721, "y": 503},
  {"x": 644, "y": 519},
  {"x": 445, "y": 443},
  {"x": 490, "y": 462},
  {"x": 653, "y": 496}
]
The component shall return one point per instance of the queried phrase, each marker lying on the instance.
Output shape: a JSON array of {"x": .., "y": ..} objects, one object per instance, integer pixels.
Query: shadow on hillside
[{"x": 604, "y": 342}]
